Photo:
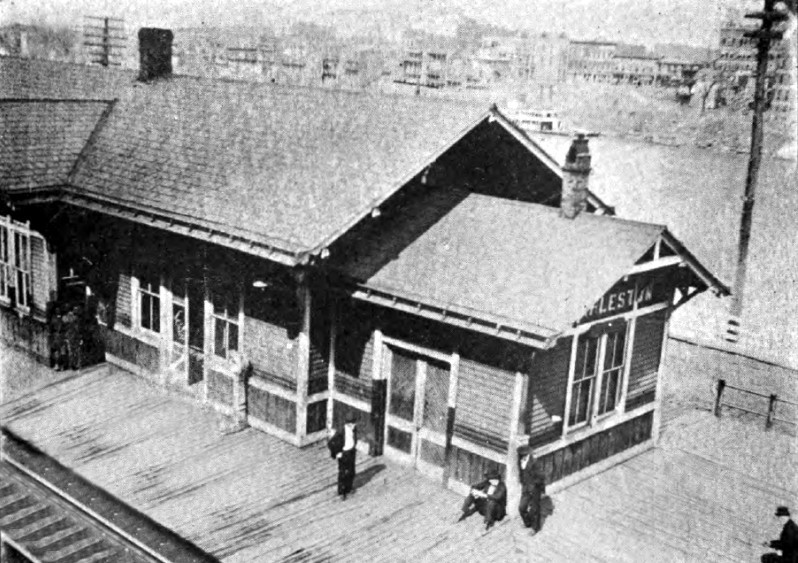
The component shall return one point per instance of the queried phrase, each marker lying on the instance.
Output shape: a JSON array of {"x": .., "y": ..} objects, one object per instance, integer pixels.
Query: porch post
[
  {"x": 379, "y": 396},
  {"x": 657, "y": 417},
  {"x": 333, "y": 304},
  {"x": 448, "y": 462},
  {"x": 511, "y": 474},
  {"x": 303, "y": 357}
]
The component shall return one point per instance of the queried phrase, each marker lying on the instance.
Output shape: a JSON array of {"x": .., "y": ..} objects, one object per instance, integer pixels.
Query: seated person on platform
[
  {"x": 787, "y": 542},
  {"x": 489, "y": 498}
]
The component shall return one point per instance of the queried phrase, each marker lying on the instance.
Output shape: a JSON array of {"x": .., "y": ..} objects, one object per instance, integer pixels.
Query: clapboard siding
[
  {"x": 484, "y": 399},
  {"x": 547, "y": 388},
  {"x": 270, "y": 408},
  {"x": 645, "y": 359},
  {"x": 319, "y": 360},
  {"x": 220, "y": 388},
  {"x": 270, "y": 348},
  {"x": 40, "y": 285},
  {"x": 354, "y": 351},
  {"x": 123, "y": 299}
]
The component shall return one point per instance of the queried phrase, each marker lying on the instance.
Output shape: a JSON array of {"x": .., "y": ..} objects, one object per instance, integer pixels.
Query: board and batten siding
[
  {"x": 547, "y": 388},
  {"x": 645, "y": 359},
  {"x": 484, "y": 399}
]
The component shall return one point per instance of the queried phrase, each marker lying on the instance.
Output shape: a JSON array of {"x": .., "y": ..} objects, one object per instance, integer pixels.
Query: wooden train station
[{"x": 291, "y": 256}]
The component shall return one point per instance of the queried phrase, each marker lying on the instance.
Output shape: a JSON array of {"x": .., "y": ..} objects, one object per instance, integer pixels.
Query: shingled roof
[
  {"x": 41, "y": 141},
  {"x": 493, "y": 255},
  {"x": 289, "y": 169}
]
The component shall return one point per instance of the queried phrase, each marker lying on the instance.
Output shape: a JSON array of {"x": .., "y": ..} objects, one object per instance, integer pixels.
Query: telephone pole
[
  {"x": 104, "y": 39},
  {"x": 764, "y": 36}
]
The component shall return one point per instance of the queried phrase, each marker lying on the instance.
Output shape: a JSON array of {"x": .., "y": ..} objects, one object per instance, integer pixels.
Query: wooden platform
[{"x": 250, "y": 497}]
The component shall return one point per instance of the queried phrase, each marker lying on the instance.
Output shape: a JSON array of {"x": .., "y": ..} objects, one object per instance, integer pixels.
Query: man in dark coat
[
  {"x": 787, "y": 542},
  {"x": 342, "y": 445},
  {"x": 533, "y": 486},
  {"x": 489, "y": 498}
]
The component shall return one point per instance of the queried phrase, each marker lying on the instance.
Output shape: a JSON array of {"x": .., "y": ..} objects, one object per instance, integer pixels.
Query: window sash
[
  {"x": 149, "y": 305},
  {"x": 225, "y": 324}
]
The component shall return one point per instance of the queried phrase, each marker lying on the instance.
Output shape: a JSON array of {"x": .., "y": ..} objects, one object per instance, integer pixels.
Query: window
[
  {"x": 15, "y": 268},
  {"x": 584, "y": 380},
  {"x": 149, "y": 303},
  {"x": 225, "y": 325},
  {"x": 5, "y": 266},
  {"x": 598, "y": 374},
  {"x": 22, "y": 269}
]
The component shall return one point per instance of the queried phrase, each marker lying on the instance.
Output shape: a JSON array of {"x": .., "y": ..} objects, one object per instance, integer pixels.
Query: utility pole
[
  {"x": 765, "y": 35},
  {"x": 105, "y": 39}
]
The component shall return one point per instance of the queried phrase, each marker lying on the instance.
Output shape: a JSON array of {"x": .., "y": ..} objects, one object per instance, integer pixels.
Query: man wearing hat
[
  {"x": 489, "y": 498},
  {"x": 787, "y": 542},
  {"x": 342, "y": 447},
  {"x": 533, "y": 486}
]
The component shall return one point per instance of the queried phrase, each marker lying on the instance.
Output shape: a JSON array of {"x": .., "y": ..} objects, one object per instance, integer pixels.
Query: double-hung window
[
  {"x": 149, "y": 300},
  {"x": 598, "y": 374},
  {"x": 225, "y": 324},
  {"x": 22, "y": 268}
]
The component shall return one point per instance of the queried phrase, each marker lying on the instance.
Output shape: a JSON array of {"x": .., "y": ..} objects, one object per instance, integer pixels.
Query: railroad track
[{"x": 48, "y": 514}]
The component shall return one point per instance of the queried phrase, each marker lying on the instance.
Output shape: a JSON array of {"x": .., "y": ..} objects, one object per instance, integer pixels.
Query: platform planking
[{"x": 250, "y": 497}]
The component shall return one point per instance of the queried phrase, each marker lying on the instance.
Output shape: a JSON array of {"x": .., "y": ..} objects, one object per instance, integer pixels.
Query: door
[
  {"x": 195, "y": 303},
  {"x": 418, "y": 388}
]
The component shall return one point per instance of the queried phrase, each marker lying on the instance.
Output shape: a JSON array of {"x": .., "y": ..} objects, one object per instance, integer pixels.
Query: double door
[{"x": 417, "y": 409}]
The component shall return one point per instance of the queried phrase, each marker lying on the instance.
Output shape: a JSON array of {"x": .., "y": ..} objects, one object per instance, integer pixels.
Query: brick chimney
[
  {"x": 155, "y": 53},
  {"x": 574, "y": 178}
]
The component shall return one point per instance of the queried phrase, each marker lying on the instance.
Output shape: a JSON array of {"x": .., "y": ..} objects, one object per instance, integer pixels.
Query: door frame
[{"x": 416, "y": 427}]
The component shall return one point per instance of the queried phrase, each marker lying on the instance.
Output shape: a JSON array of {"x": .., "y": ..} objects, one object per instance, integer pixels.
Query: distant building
[
  {"x": 425, "y": 59},
  {"x": 591, "y": 61},
  {"x": 738, "y": 60},
  {"x": 679, "y": 64},
  {"x": 633, "y": 64}
]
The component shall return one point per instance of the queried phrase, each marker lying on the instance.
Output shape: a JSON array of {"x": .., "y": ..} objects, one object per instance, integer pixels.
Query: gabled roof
[
  {"x": 41, "y": 141},
  {"x": 517, "y": 264},
  {"x": 289, "y": 169}
]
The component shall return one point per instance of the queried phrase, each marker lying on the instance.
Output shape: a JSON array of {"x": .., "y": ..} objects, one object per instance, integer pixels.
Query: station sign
[{"x": 642, "y": 290}]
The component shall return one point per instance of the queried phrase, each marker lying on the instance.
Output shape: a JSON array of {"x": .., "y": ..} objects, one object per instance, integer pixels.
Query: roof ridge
[
  {"x": 101, "y": 121},
  {"x": 548, "y": 208}
]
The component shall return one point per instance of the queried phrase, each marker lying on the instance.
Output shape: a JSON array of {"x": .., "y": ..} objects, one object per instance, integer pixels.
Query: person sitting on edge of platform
[
  {"x": 489, "y": 498},
  {"x": 787, "y": 542},
  {"x": 342, "y": 444},
  {"x": 533, "y": 487}
]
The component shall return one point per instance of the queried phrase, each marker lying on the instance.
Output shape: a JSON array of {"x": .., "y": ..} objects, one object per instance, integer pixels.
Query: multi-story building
[
  {"x": 633, "y": 64},
  {"x": 425, "y": 59},
  {"x": 738, "y": 61},
  {"x": 591, "y": 60}
]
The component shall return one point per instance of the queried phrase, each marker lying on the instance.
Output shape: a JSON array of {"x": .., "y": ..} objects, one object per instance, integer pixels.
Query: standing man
[
  {"x": 787, "y": 542},
  {"x": 489, "y": 498},
  {"x": 533, "y": 487},
  {"x": 342, "y": 447}
]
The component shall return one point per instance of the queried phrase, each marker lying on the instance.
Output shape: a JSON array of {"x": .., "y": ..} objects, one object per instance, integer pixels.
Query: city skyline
[{"x": 649, "y": 22}]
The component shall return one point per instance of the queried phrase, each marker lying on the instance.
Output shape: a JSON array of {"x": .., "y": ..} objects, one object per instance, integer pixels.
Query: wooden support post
[
  {"x": 379, "y": 395},
  {"x": 719, "y": 396},
  {"x": 512, "y": 478},
  {"x": 448, "y": 462},
  {"x": 771, "y": 411},
  {"x": 331, "y": 364},
  {"x": 303, "y": 359}
]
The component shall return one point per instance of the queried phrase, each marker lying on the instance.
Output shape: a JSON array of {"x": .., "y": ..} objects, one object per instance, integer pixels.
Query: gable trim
[{"x": 322, "y": 248}]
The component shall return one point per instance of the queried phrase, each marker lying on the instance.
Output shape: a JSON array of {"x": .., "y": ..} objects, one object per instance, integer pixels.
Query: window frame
[
  {"x": 230, "y": 313},
  {"x": 599, "y": 375},
  {"x": 152, "y": 291},
  {"x": 16, "y": 264}
]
